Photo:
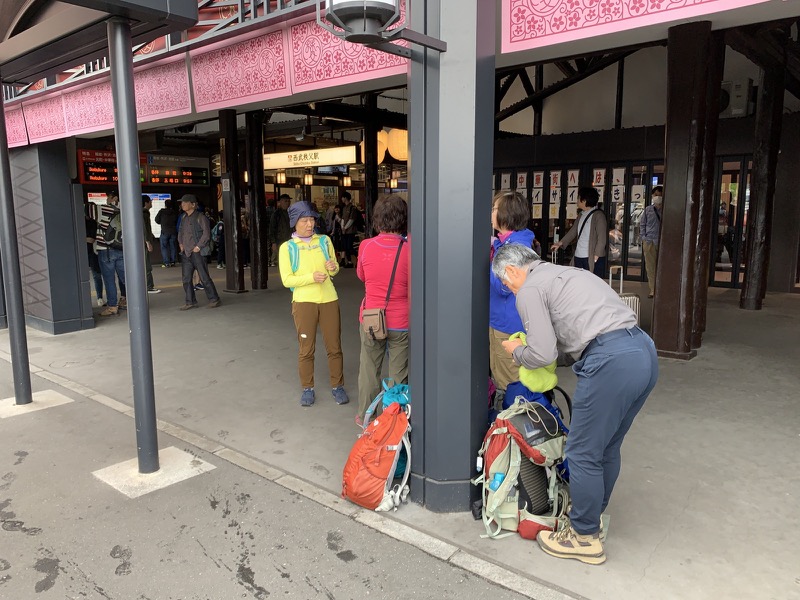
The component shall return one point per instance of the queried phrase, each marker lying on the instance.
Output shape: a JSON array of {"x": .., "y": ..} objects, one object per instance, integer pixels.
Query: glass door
[{"x": 730, "y": 222}]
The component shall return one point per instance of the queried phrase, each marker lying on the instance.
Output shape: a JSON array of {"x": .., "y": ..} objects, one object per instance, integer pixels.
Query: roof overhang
[{"x": 76, "y": 34}]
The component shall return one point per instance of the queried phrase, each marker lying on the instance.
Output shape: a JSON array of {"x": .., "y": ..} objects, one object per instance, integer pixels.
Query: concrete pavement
[
  {"x": 696, "y": 513},
  {"x": 227, "y": 533}
]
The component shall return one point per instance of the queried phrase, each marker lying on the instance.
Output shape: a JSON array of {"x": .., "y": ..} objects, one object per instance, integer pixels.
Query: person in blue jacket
[{"x": 510, "y": 213}]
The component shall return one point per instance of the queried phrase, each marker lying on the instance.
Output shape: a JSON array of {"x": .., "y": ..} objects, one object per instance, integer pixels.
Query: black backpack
[{"x": 113, "y": 233}]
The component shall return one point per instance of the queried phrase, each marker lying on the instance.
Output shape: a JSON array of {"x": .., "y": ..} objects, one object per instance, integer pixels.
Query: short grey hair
[{"x": 514, "y": 255}]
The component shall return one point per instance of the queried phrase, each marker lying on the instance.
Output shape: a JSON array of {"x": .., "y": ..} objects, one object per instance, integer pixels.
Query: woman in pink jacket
[{"x": 376, "y": 259}]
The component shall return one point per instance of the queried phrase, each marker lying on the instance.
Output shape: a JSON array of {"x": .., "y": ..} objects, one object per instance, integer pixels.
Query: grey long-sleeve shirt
[{"x": 566, "y": 308}]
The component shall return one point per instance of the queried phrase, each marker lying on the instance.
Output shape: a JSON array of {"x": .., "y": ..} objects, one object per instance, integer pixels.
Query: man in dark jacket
[
  {"x": 279, "y": 229},
  {"x": 167, "y": 217},
  {"x": 194, "y": 236}
]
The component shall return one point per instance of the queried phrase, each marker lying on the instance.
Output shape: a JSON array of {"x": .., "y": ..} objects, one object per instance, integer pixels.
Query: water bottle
[{"x": 496, "y": 481}]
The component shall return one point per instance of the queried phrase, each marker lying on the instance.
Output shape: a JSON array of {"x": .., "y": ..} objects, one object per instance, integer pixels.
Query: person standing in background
[
  {"x": 167, "y": 217},
  {"x": 94, "y": 264},
  {"x": 147, "y": 204},
  {"x": 280, "y": 230},
  {"x": 111, "y": 259},
  {"x": 510, "y": 220},
  {"x": 349, "y": 220},
  {"x": 589, "y": 233},
  {"x": 194, "y": 236},
  {"x": 650, "y": 233}
]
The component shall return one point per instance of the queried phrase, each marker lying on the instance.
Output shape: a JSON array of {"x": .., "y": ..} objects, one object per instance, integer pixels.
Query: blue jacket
[{"x": 503, "y": 314}]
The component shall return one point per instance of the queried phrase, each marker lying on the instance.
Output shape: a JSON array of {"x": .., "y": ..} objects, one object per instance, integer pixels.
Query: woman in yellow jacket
[{"x": 307, "y": 264}]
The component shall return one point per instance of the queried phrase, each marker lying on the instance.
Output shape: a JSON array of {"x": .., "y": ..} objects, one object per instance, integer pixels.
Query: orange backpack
[{"x": 370, "y": 468}]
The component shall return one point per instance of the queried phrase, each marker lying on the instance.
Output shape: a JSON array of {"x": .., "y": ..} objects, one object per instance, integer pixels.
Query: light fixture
[
  {"x": 397, "y": 142},
  {"x": 368, "y": 21},
  {"x": 347, "y": 181},
  {"x": 308, "y": 179},
  {"x": 393, "y": 184},
  {"x": 280, "y": 178},
  {"x": 383, "y": 141},
  {"x": 246, "y": 177}
]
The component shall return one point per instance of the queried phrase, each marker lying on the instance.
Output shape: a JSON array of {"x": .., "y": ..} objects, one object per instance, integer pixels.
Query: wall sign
[{"x": 318, "y": 157}]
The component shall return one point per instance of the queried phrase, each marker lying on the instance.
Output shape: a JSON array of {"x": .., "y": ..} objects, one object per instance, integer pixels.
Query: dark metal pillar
[
  {"x": 687, "y": 52},
  {"x": 716, "y": 66},
  {"x": 371, "y": 129},
  {"x": 769, "y": 112},
  {"x": 130, "y": 194},
  {"x": 620, "y": 93},
  {"x": 12, "y": 278},
  {"x": 450, "y": 202},
  {"x": 3, "y": 320},
  {"x": 259, "y": 242},
  {"x": 537, "y": 108},
  {"x": 231, "y": 201}
]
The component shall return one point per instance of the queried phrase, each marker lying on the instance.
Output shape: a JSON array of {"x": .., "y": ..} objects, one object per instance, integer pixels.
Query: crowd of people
[{"x": 567, "y": 313}]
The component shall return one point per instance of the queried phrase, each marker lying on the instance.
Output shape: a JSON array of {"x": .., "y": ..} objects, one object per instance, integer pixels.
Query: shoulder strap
[
  {"x": 585, "y": 221},
  {"x": 294, "y": 255},
  {"x": 657, "y": 215},
  {"x": 323, "y": 244},
  {"x": 394, "y": 270}
]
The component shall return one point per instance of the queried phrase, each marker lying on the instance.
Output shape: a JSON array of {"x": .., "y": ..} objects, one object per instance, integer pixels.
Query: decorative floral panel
[
  {"x": 15, "y": 127},
  {"x": 240, "y": 73},
  {"x": 90, "y": 108},
  {"x": 319, "y": 59},
  {"x": 162, "y": 91},
  {"x": 537, "y": 23},
  {"x": 45, "y": 120}
]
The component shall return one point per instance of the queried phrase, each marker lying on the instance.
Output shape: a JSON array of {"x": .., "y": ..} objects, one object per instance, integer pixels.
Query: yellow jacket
[
  {"x": 311, "y": 259},
  {"x": 539, "y": 380}
]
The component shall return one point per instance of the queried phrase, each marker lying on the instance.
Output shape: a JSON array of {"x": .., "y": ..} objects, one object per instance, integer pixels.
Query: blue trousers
[
  {"x": 169, "y": 248},
  {"x": 616, "y": 373},
  {"x": 111, "y": 262}
]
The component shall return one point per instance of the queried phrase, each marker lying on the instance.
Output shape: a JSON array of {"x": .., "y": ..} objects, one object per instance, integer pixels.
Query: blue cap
[{"x": 301, "y": 209}]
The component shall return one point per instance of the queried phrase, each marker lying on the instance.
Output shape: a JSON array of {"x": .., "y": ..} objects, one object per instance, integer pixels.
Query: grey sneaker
[
  {"x": 340, "y": 395},
  {"x": 154, "y": 291},
  {"x": 307, "y": 399}
]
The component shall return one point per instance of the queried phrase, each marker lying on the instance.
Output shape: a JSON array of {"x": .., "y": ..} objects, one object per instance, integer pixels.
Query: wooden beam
[
  {"x": 769, "y": 114},
  {"x": 350, "y": 112},
  {"x": 706, "y": 221},
  {"x": 506, "y": 85},
  {"x": 540, "y": 95},
  {"x": 620, "y": 89},
  {"x": 566, "y": 69},
  {"x": 526, "y": 81}
]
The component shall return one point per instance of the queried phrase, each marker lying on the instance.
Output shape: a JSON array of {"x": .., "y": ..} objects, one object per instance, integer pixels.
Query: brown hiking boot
[
  {"x": 567, "y": 543},
  {"x": 187, "y": 306},
  {"x": 123, "y": 303},
  {"x": 110, "y": 311},
  {"x": 214, "y": 303}
]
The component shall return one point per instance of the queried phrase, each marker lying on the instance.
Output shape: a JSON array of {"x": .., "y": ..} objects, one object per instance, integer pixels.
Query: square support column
[
  {"x": 687, "y": 53},
  {"x": 52, "y": 240},
  {"x": 451, "y": 128}
]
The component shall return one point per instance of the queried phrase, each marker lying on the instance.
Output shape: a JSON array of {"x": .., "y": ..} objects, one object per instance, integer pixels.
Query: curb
[{"x": 383, "y": 523}]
